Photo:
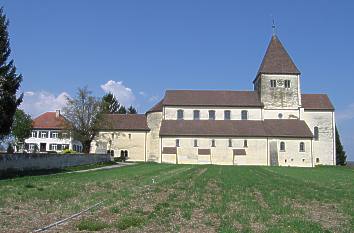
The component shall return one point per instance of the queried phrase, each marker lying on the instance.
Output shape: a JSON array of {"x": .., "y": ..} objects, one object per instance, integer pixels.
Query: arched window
[
  {"x": 282, "y": 146},
  {"x": 245, "y": 143},
  {"x": 196, "y": 114},
  {"x": 177, "y": 142},
  {"x": 180, "y": 114},
  {"x": 195, "y": 143},
  {"x": 213, "y": 143},
  {"x": 227, "y": 115},
  {"x": 302, "y": 147},
  {"x": 244, "y": 115},
  {"x": 316, "y": 133},
  {"x": 211, "y": 115}
]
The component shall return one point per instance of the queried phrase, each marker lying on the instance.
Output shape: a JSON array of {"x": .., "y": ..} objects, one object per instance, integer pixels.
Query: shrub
[
  {"x": 91, "y": 225},
  {"x": 69, "y": 151},
  {"x": 130, "y": 221}
]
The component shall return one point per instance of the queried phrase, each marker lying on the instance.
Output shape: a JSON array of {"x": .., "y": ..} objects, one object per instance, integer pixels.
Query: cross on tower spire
[{"x": 273, "y": 27}]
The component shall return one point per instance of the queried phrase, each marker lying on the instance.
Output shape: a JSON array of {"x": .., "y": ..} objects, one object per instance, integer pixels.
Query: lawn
[{"x": 183, "y": 198}]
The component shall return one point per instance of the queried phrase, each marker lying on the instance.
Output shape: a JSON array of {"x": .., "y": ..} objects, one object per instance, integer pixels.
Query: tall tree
[
  {"x": 9, "y": 80},
  {"x": 110, "y": 104},
  {"x": 341, "y": 158},
  {"x": 122, "y": 110},
  {"x": 132, "y": 110},
  {"x": 83, "y": 114},
  {"x": 22, "y": 127}
]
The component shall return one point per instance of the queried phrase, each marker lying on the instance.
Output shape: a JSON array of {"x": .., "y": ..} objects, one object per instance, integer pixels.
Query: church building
[{"x": 273, "y": 125}]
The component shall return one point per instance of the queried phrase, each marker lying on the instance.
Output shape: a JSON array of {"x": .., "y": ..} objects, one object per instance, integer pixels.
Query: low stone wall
[{"x": 26, "y": 162}]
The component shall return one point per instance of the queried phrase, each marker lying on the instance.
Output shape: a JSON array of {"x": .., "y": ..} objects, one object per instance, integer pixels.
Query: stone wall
[{"x": 25, "y": 162}]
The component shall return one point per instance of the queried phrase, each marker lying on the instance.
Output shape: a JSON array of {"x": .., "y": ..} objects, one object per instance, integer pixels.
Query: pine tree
[
  {"x": 122, "y": 110},
  {"x": 9, "y": 80},
  {"x": 110, "y": 104},
  {"x": 340, "y": 154},
  {"x": 132, "y": 110}
]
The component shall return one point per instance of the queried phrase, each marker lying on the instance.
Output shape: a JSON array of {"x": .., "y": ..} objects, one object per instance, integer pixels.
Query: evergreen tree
[
  {"x": 9, "y": 80},
  {"x": 340, "y": 153},
  {"x": 110, "y": 104},
  {"x": 122, "y": 110},
  {"x": 132, "y": 110}
]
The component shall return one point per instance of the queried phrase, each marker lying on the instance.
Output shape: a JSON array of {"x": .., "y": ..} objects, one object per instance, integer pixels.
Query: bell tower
[{"x": 278, "y": 79}]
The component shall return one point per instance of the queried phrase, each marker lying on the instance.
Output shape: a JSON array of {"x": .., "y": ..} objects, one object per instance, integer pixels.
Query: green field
[{"x": 183, "y": 198}]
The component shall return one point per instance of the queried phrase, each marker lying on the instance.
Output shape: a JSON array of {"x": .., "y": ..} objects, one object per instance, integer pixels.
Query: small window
[
  {"x": 53, "y": 147},
  {"x": 285, "y": 160},
  {"x": 316, "y": 133},
  {"x": 195, "y": 143},
  {"x": 302, "y": 147},
  {"x": 227, "y": 115},
  {"x": 211, "y": 115},
  {"x": 282, "y": 146},
  {"x": 55, "y": 135},
  {"x": 245, "y": 143},
  {"x": 244, "y": 115},
  {"x": 287, "y": 83},
  {"x": 273, "y": 83},
  {"x": 280, "y": 116},
  {"x": 180, "y": 114},
  {"x": 303, "y": 160},
  {"x": 177, "y": 142},
  {"x": 130, "y": 136},
  {"x": 43, "y": 135},
  {"x": 230, "y": 142},
  {"x": 34, "y": 134},
  {"x": 317, "y": 160},
  {"x": 213, "y": 143},
  {"x": 196, "y": 115}
]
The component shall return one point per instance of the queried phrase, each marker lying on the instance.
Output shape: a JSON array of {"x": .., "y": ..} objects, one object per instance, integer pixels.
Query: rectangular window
[
  {"x": 65, "y": 146},
  {"x": 287, "y": 83},
  {"x": 230, "y": 142},
  {"x": 177, "y": 142},
  {"x": 273, "y": 83},
  {"x": 302, "y": 147},
  {"x": 211, "y": 115},
  {"x": 245, "y": 143},
  {"x": 195, "y": 143},
  {"x": 43, "y": 134},
  {"x": 34, "y": 134},
  {"x": 52, "y": 146},
  {"x": 316, "y": 133},
  {"x": 317, "y": 160},
  {"x": 180, "y": 114},
  {"x": 31, "y": 147},
  {"x": 55, "y": 135},
  {"x": 227, "y": 115},
  {"x": 196, "y": 114},
  {"x": 244, "y": 115},
  {"x": 213, "y": 143}
]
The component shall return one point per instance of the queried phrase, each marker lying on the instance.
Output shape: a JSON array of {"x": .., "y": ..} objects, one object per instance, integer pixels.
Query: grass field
[{"x": 184, "y": 198}]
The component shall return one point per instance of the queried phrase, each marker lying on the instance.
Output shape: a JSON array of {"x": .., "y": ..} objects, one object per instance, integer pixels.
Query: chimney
[{"x": 57, "y": 113}]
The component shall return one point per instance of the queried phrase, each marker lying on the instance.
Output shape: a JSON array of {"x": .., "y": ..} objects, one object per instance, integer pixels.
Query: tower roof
[{"x": 276, "y": 60}]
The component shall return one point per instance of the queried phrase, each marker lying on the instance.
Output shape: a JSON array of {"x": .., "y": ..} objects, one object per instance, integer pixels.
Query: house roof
[
  {"x": 277, "y": 60},
  {"x": 211, "y": 98},
  {"x": 49, "y": 120},
  {"x": 156, "y": 108},
  {"x": 129, "y": 122},
  {"x": 316, "y": 102},
  {"x": 236, "y": 128}
]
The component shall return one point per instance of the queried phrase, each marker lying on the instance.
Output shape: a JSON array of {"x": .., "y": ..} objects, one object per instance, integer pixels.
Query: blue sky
[{"x": 141, "y": 48}]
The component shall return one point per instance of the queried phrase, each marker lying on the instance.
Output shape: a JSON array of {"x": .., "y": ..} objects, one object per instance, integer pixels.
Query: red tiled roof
[
  {"x": 276, "y": 60},
  {"x": 211, "y": 98},
  {"x": 49, "y": 120},
  {"x": 134, "y": 122},
  {"x": 316, "y": 102},
  {"x": 156, "y": 108},
  {"x": 235, "y": 128}
]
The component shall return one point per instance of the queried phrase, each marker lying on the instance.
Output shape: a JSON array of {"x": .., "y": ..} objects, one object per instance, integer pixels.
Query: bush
[
  {"x": 69, "y": 151},
  {"x": 91, "y": 225}
]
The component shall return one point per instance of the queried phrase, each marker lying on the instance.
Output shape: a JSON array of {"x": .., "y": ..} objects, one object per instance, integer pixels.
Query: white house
[
  {"x": 272, "y": 125},
  {"x": 48, "y": 135}
]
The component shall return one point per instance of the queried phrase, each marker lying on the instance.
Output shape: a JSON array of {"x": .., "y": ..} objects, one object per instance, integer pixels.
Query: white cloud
[
  {"x": 142, "y": 93},
  {"x": 123, "y": 94},
  {"x": 35, "y": 103},
  {"x": 346, "y": 114}
]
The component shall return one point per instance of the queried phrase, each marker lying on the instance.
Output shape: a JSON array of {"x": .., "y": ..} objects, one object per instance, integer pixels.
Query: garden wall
[{"x": 26, "y": 162}]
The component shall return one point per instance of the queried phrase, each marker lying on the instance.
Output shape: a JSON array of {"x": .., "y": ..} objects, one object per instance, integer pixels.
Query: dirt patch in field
[
  {"x": 201, "y": 172},
  {"x": 259, "y": 197},
  {"x": 327, "y": 215}
]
